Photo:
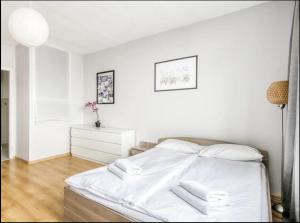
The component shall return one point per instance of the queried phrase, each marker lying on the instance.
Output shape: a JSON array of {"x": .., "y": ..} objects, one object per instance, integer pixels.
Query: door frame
[{"x": 11, "y": 117}]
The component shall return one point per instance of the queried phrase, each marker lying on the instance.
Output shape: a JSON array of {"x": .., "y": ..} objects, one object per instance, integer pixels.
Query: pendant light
[{"x": 28, "y": 27}]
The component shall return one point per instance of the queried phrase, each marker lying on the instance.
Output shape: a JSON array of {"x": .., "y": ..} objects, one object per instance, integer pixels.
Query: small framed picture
[
  {"x": 176, "y": 74},
  {"x": 105, "y": 87}
]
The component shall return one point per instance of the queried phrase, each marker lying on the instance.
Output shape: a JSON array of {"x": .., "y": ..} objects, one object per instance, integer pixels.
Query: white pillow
[
  {"x": 180, "y": 145},
  {"x": 231, "y": 152}
]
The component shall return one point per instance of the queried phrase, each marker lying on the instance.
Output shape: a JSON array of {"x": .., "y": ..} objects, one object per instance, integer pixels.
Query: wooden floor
[{"x": 35, "y": 192}]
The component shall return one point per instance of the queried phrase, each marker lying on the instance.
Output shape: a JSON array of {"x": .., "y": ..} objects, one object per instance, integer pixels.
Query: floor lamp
[{"x": 277, "y": 94}]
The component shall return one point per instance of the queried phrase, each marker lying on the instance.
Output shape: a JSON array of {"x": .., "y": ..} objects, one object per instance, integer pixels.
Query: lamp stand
[{"x": 278, "y": 207}]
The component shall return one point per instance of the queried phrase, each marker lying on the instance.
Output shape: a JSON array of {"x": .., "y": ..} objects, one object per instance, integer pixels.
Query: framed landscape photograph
[
  {"x": 176, "y": 74},
  {"x": 105, "y": 87}
]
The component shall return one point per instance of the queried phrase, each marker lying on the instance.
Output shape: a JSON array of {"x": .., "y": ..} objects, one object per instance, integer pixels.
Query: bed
[{"x": 84, "y": 206}]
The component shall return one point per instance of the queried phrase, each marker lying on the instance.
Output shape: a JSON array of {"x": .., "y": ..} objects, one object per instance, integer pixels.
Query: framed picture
[
  {"x": 176, "y": 74},
  {"x": 106, "y": 87}
]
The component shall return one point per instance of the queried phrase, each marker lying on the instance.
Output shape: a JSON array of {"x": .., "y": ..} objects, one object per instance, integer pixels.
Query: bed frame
[{"x": 77, "y": 208}]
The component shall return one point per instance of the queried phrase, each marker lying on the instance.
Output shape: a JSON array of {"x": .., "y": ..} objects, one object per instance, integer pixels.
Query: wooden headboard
[{"x": 208, "y": 142}]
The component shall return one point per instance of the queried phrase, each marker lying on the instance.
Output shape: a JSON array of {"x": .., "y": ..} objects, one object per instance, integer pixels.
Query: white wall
[
  {"x": 51, "y": 138},
  {"x": 22, "y": 102},
  {"x": 38, "y": 140},
  {"x": 76, "y": 88},
  {"x": 8, "y": 63},
  {"x": 239, "y": 56}
]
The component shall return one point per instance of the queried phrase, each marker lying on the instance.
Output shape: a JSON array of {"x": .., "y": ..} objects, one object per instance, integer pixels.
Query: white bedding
[
  {"x": 131, "y": 214},
  {"x": 156, "y": 164},
  {"x": 245, "y": 183},
  {"x": 150, "y": 198}
]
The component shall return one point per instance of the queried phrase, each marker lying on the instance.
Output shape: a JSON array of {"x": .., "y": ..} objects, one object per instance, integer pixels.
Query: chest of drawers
[{"x": 102, "y": 145}]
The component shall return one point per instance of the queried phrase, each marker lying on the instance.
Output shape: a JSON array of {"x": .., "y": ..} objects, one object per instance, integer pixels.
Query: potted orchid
[{"x": 93, "y": 107}]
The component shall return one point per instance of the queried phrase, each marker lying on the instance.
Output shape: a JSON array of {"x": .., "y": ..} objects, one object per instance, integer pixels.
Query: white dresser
[{"x": 102, "y": 145}]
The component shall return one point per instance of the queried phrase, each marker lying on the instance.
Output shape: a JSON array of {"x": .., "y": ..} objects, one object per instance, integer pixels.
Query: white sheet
[
  {"x": 127, "y": 212},
  {"x": 244, "y": 181},
  {"x": 158, "y": 168}
]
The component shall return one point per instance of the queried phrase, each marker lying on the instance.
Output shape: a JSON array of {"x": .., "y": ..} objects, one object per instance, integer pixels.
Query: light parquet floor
[{"x": 35, "y": 192}]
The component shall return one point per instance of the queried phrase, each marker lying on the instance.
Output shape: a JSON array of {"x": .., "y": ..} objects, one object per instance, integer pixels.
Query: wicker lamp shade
[{"x": 277, "y": 93}]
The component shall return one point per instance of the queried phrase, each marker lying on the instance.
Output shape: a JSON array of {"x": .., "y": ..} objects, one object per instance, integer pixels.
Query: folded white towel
[
  {"x": 201, "y": 205},
  {"x": 204, "y": 192},
  {"x": 117, "y": 171},
  {"x": 128, "y": 166}
]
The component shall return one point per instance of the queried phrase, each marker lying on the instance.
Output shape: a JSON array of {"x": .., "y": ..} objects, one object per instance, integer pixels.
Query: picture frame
[
  {"x": 105, "y": 87},
  {"x": 176, "y": 74}
]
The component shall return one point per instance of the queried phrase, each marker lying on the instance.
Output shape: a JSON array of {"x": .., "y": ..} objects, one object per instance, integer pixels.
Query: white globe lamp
[{"x": 28, "y": 27}]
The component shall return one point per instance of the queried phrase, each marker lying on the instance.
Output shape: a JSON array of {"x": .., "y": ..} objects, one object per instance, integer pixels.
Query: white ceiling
[{"x": 88, "y": 26}]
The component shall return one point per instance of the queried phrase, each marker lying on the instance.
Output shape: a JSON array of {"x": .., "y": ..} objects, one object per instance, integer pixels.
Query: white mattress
[{"x": 246, "y": 181}]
